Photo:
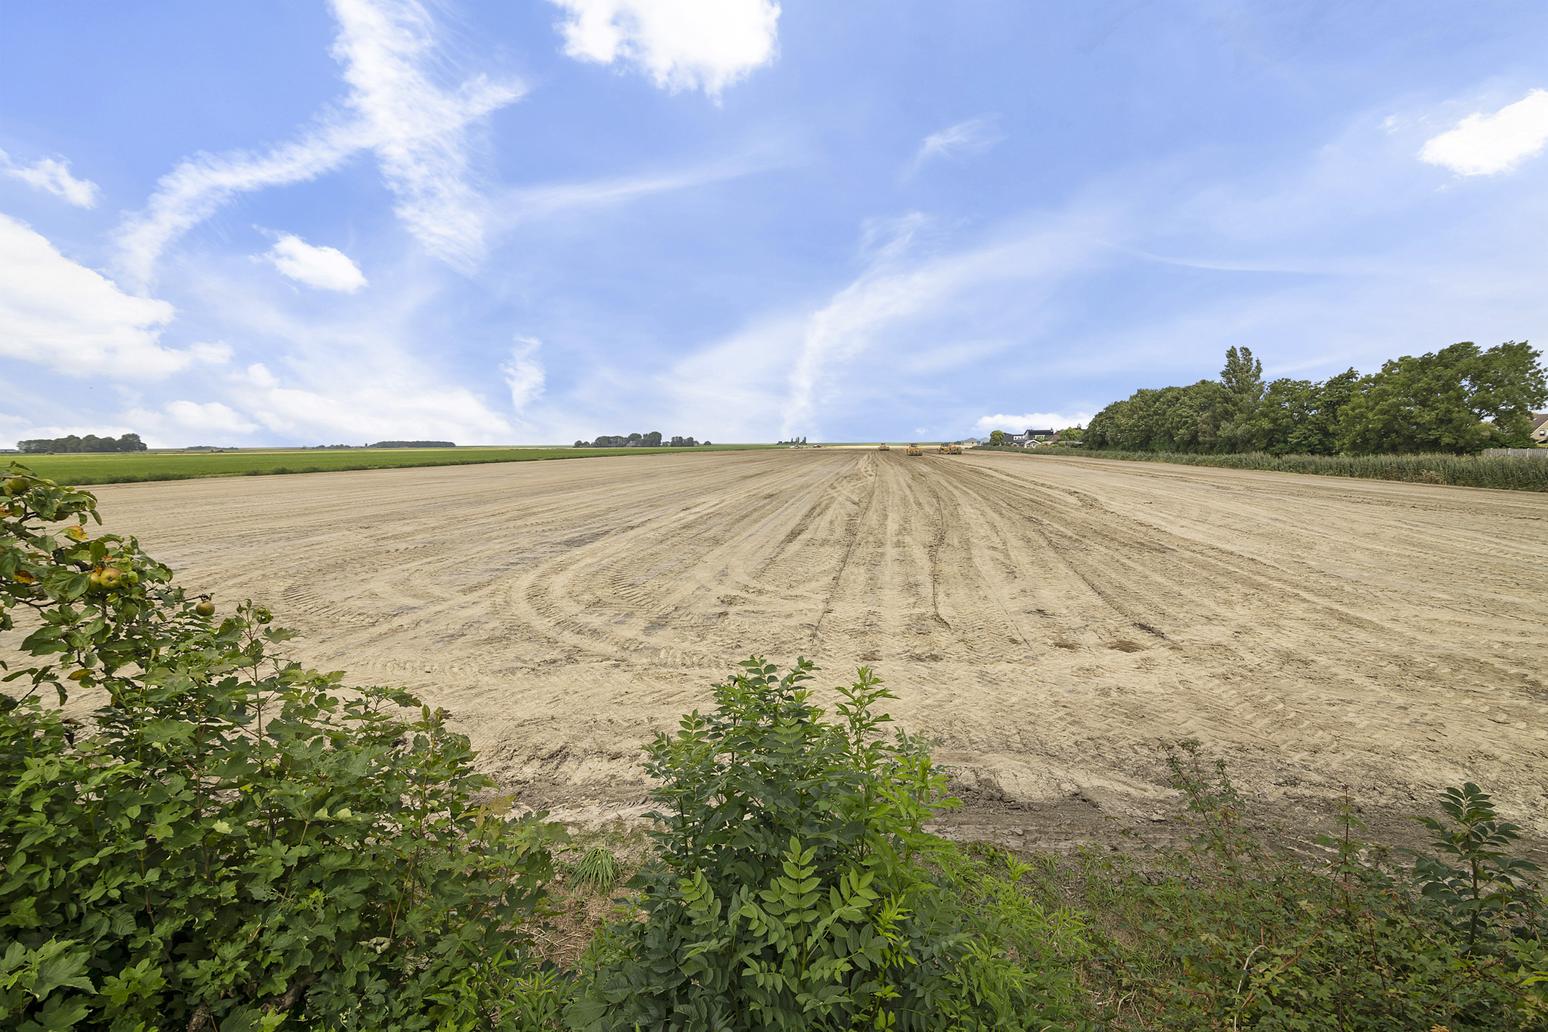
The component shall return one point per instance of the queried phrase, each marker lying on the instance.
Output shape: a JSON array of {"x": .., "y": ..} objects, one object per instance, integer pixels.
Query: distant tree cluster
[
  {"x": 413, "y": 444},
  {"x": 650, "y": 440},
  {"x": 1461, "y": 399},
  {"x": 88, "y": 443},
  {"x": 793, "y": 440}
]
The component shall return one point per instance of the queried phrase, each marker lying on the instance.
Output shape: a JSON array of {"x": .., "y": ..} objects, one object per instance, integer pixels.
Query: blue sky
[{"x": 300, "y": 222}]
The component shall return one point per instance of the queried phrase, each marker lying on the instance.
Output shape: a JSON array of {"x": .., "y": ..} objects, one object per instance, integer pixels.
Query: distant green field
[{"x": 131, "y": 467}]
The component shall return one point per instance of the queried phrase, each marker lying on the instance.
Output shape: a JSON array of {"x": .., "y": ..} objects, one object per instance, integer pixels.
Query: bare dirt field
[{"x": 1049, "y": 622}]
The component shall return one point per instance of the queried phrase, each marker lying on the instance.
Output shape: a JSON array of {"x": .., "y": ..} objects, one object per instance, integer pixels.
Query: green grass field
[{"x": 132, "y": 467}]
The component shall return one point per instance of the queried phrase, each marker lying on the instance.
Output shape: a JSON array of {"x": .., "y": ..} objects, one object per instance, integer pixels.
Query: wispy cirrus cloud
[
  {"x": 524, "y": 373},
  {"x": 524, "y": 204},
  {"x": 894, "y": 294},
  {"x": 52, "y": 175},
  {"x": 417, "y": 129},
  {"x": 971, "y": 136},
  {"x": 1488, "y": 144},
  {"x": 394, "y": 108},
  {"x": 680, "y": 44}
]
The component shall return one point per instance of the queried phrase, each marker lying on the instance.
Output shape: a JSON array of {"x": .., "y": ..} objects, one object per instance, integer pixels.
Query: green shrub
[
  {"x": 793, "y": 888},
  {"x": 233, "y": 842},
  {"x": 1233, "y": 935}
]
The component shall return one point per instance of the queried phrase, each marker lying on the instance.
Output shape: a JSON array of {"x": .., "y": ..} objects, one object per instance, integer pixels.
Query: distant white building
[
  {"x": 1030, "y": 439},
  {"x": 1540, "y": 427}
]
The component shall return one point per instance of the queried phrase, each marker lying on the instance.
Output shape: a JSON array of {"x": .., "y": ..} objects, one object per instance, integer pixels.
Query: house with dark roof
[{"x": 1030, "y": 439}]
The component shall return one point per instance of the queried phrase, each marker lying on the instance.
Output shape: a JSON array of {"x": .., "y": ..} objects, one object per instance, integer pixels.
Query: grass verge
[{"x": 1502, "y": 472}]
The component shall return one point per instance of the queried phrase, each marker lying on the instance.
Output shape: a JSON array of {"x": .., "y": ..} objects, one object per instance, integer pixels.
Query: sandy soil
[{"x": 1048, "y": 621}]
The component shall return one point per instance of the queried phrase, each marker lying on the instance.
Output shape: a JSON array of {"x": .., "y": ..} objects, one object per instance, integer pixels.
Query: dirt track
[{"x": 1047, "y": 621}]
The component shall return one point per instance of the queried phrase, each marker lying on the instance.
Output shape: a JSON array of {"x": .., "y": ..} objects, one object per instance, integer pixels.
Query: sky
[{"x": 300, "y": 222}]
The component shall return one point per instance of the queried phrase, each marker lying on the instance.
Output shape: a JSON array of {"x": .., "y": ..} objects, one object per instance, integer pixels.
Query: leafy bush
[
  {"x": 233, "y": 842},
  {"x": 793, "y": 888},
  {"x": 1230, "y": 934}
]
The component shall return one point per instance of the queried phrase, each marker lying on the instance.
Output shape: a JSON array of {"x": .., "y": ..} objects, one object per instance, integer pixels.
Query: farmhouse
[
  {"x": 1030, "y": 439},
  {"x": 1540, "y": 427}
]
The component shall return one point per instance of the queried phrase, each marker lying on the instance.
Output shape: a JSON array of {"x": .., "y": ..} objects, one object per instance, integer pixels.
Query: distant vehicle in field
[
  {"x": 883, "y": 447},
  {"x": 952, "y": 449},
  {"x": 913, "y": 449}
]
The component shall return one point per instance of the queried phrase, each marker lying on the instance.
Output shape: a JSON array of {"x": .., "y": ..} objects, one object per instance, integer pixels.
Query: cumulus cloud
[
  {"x": 416, "y": 129},
  {"x": 62, "y": 315},
  {"x": 259, "y": 376},
  {"x": 680, "y": 44},
  {"x": 1020, "y": 422},
  {"x": 1487, "y": 144},
  {"x": 52, "y": 175},
  {"x": 325, "y": 268},
  {"x": 191, "y": 422},
  {"x": 524, "y": 374},
  {"x": 210, "y": 352},
  {"x": 378, "y": 408},
  {"x": 973, "y": 136}
]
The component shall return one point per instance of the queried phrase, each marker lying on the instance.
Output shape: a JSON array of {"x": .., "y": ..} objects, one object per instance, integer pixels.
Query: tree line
[
  {"x": 650, "y": 440},
  {"x": 88, "y": 443},
  {"x": 1460, "y": 399}
]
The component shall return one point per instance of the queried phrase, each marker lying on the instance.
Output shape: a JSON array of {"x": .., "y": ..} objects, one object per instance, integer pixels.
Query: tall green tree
[
  {"x": 1242, "y": 379},
  {"x": 1459, "y": 399}
]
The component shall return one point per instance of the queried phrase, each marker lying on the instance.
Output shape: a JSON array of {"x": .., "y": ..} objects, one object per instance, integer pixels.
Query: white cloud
[
  {"x": 210, "y": 352},
  {"x": 1484, "y": 145},
  {"x": 325, "y": 268},
  {"x": 376, "y": 408},
  {"x": 259, "y": 376},
  {"x": 180, "y": 422},
  {"x": 60, "y": 314},
  {"x": 973, "y": 136},
  {"x": 1031, "y": 421},
  {"x": 524, "y": 373},
  {"x": 416, "y": 129},
  {"x": 680, "y": 44},
  {"x": 53, "y": 176}
]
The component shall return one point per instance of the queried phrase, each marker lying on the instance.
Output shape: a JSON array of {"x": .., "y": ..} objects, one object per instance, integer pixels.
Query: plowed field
[{"x": 1047, "y": 621}]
